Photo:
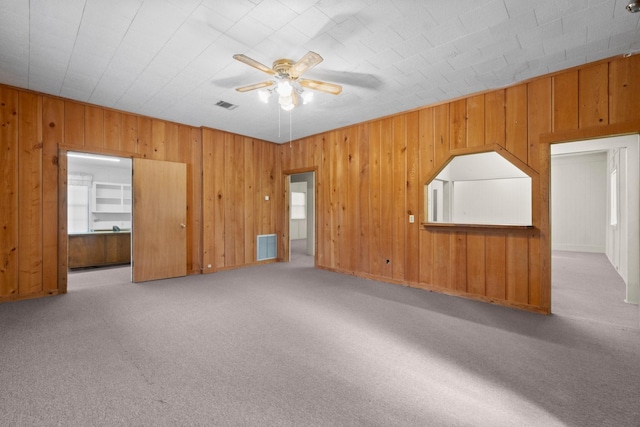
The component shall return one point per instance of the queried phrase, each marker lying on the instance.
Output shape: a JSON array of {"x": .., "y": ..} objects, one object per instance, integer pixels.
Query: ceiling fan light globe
[
  {"x": 264, "y": 95},
  {"x": 287, "y": 107},
  {"x": 284, "y": 88},
  {"x": 285, "y": 100},
  {"x": 307, "y": 97}
]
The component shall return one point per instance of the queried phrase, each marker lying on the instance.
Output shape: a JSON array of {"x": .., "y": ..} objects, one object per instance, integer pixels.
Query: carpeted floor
[{"x": 290, "y": 345}]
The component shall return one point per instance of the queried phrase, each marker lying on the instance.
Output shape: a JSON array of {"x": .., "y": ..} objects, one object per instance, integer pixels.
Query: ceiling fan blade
[
  {"x": 331, "y": 88},
  {"x": 253, "y": 63},
  {"x": 255, "y": 86},
  {"x": 310, "y": 60}
]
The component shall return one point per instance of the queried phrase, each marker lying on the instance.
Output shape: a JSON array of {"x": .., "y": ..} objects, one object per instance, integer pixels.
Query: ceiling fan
[{"x": 286, "y": 80}]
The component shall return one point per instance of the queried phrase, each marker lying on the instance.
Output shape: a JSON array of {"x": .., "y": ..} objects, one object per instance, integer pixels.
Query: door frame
[
  {"x": 286, "y": 236},
  {"x": 546, "y": 140},
  {"x": 63, "y": 232}
]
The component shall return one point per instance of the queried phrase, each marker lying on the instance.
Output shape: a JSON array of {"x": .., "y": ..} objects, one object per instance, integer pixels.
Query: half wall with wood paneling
[{"x": 370, "y": 178}]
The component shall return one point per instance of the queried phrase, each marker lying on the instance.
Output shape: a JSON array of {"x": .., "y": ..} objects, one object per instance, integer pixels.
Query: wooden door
[{"x": 159, "y": 220}]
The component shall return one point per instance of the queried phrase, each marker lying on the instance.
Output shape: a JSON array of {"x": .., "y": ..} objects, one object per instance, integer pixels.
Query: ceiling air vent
[{"x": 226, "y": 105}]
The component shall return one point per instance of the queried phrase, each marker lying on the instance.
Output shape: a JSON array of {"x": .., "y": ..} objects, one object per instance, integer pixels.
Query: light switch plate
[{"x": 412, "y": 219}]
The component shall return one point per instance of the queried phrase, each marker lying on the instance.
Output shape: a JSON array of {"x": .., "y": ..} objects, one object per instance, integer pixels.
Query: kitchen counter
[{"x": 99, "y": 248}]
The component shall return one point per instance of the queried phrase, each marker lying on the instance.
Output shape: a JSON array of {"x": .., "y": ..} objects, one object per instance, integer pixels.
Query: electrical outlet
[{"x": 412, "y": 219}]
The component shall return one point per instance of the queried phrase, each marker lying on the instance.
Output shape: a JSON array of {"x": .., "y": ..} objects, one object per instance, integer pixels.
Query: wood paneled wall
[
  {"x": 238, "y": 172},
  {"x": 370, "y": 178},
  {"x": 35, "y": 134}
]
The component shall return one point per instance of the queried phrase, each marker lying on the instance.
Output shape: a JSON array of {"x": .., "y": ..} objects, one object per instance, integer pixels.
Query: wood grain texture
[
  {"x": 9, "y": 208},
  {"x": 593, "y": 92},
  {"x": 364, "y": 200},
  {"x": 624, "y": 86},
  {"x": 516, "y": 121},
  {"x": 565, "y": 101},
  {"x": 475, "y": 121},
  {"x": 399, "y": 217},
  {"x": 495, "y": 118},
  {"x": 53, "y": 135},
  {"x": 30, "y": 201},
  {"x": 458, "y": 124},
  {"x": 413, "y": 191}
]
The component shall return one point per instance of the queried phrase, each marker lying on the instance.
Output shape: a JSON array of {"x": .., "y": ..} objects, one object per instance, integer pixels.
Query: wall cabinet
[{"x": 110, "y": 206}]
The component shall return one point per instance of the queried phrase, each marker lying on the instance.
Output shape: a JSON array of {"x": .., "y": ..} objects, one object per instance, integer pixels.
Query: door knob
[{"x": 183, "y": 225}]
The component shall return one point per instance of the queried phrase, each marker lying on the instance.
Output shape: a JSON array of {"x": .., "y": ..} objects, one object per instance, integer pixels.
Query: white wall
[
  {"x": 624, "y": 239},
  {"x": 579, "y": 202},
  {"x": 483, "y": 202}
]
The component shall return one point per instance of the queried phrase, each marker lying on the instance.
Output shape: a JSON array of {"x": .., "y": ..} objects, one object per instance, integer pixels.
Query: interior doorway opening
[
  {"x": 99, "y": 211},
  {"x": 595, "y": 233},
  {"x": 301, "y": 218}
]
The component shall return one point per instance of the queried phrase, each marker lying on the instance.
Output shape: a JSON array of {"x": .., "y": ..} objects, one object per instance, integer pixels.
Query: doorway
[
  {"x": 301, "y": 216},
  {"x": 114, "y": 218},
  {"x": 98, "y": 211},
  {"x": 595, "y": 191}
]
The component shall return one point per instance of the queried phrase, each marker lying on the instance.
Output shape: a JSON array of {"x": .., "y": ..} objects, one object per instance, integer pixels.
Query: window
[
  {"x": 480, "y": 188},
  {"x": 298, "y": 205}
]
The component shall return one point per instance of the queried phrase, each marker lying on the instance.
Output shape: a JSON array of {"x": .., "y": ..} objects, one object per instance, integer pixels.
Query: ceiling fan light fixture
[
  {"x": 307, "y": 97},
  {"x": 284, "y": 88},
  {"x": 633, "y": 6},
  {"x": 264, "y": 95},
  {"x": 287, "y": 107}
]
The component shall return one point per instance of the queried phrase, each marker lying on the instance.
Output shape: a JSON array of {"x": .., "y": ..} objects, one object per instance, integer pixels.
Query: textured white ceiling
[{"x": 172, "y": 59}]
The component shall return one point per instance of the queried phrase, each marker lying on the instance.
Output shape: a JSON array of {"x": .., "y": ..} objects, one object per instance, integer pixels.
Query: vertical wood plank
[
  {"x": 208, "y": 196},
  {"x": 426, "y": 165},
  {"x": 9, "y": 208},
  {"x": 412, "y": 254},
  {"x": 158, "y": 140},
  {"x": 593, "y": 92},
  {"x": 386, "y": 194},
  {"x": 516, "y": 121},
  {"x": 624, "y": 86},
  {"x": 495, "y": 118},
  {"x": 93, "y": 127},
  {"x": 539, "y": 119},
  {"x": 194, "y": 168},
  {"x": 364, "y": 205},
  {"x": 565, "y": 101},
  {"x": 441, "y": 134},
  {"x": 351, "y": 242},
  {"x": 220, "y": 198},
  {"x": 495, "y": 269},
  {"x": 458, "y": 111},
  {"x": 459, "y": 261},
  {"x": 249, "y": 201},
  {"x": 73, "y": 124},
  {"x": 475, "y": 121},
  {"x": 399, "y": 197},
  {"x": 442, "y": 259},
  {"x": 517, "y": 258},
  {"x": 174, "y": 146},
  {"x": 335, "y": 180},
  {"x": 376, "y": 200},
  {"x": 112, "y": 130},
  {"x": 53, "y": 134},
  {"x": 30, "y": 190},
  {"x": 129, "y": 133},
  {"x": 476, "y": 263},
  {"x": 145, "y": 148}
]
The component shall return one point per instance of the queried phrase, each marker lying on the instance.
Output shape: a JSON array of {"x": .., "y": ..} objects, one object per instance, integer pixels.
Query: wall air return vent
[
  {"x": 226, "y": 105},
  {"x": 267, "y": 246}
]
